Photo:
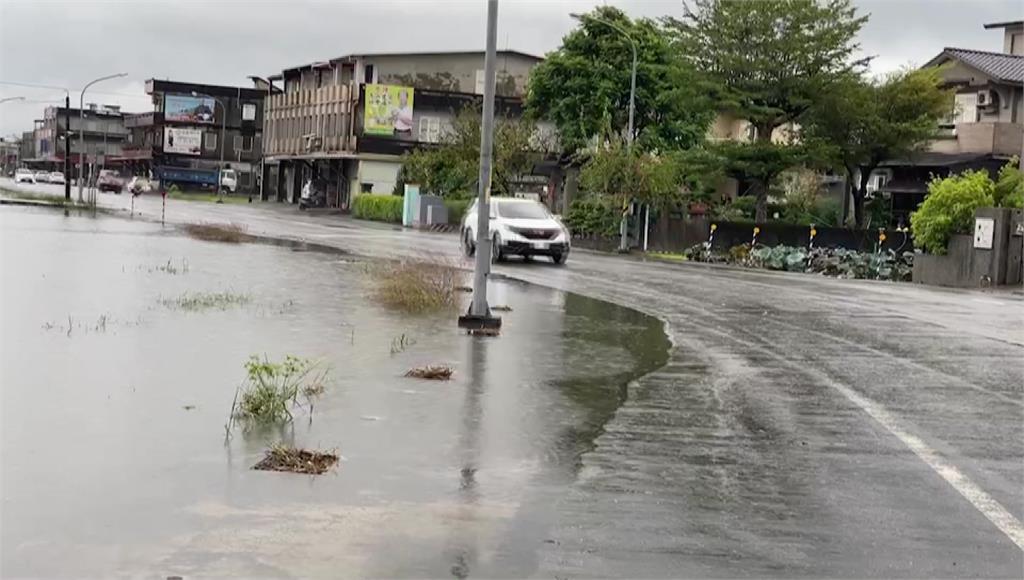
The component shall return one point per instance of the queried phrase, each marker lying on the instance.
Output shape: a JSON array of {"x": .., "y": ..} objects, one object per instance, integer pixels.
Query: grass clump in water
[
  {"x": 431, "y": 372},
  {"x": 416, "y": 287},
  {"x": 230, "y": 233},
  {"x": 272, "y": 389},
  {"x": 283, "y": 457},
  {"x": 197, "y": 301}
]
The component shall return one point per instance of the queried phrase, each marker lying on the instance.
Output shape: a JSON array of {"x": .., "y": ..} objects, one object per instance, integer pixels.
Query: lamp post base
[{"x": 474, "y": 322}]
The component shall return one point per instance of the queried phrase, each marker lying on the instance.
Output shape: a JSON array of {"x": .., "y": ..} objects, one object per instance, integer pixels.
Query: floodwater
[{"x": 114, "y": 455}]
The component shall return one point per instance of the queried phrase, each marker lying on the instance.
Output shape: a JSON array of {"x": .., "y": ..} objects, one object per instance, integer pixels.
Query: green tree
[
  {"x": 1009, "y": 187},
  {"x": 631, "y": 174},
  {"x": 768, "y": 62},
  {"x": 862, "y": 123},
  {"x": 583, "y": 86},
  {"x": 452, "y": 168}
]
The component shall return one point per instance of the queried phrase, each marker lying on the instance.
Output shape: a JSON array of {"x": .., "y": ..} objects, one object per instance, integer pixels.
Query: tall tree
[
  {"x": 866, "y": 122},
  {"x": 768, "y": 62},
  {"x": 451, "y": 169},
  {"x": 583, "y": 86}
]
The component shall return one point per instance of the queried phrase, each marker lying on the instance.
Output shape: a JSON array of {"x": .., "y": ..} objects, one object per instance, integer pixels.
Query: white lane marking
[
  {"x": 982, "y": 501},
  {"x": 989, "y": 301}
]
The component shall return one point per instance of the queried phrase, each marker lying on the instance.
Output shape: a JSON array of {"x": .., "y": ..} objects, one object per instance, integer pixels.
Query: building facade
[
  {"x": 194, "y": 130},
  {"x": 347, "y": 121},
  {"x": 97, "y": 137},
  {"x": 984, "y": 131}
]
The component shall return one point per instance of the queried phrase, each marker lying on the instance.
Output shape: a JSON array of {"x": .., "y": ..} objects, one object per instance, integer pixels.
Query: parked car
[
  {"x": 229, "y": 180},
  {"x": 23, "y": 175},
  {"x": 521, "y": 227},
  {"x": 56, "y": 177},
  {"x": 42, "y": 176},
  {"x": 109, "y": 180}
]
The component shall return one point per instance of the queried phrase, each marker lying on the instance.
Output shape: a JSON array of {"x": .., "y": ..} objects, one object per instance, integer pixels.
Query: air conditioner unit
[{"x": 986, "y": 99}]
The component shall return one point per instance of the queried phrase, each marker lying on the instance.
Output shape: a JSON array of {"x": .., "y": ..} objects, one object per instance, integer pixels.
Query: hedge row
[{"x": 380, "y": 208}]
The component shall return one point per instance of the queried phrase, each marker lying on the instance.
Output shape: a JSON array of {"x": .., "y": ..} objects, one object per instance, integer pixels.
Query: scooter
[{"x": 312, "y": 197}]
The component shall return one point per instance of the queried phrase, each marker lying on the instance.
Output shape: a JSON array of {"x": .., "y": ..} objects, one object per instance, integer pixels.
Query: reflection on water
[{"x": 103, "y": 464}]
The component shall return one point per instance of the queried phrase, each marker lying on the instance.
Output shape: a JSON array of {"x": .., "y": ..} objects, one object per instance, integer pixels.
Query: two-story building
[
  {"x": 194, "y": 130},
  {"x": 985, "y": 130},
  {"x": 347, "y": 121}
]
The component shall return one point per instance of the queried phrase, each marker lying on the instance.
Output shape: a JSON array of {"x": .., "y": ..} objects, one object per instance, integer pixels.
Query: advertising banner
[
  {"x": 184, "y": 141},
  {"x": 387, "y": 110},
  {"x": 189, "y": 109}
]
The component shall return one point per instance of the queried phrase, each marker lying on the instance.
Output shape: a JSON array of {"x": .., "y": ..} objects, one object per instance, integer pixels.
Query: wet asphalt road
[{"x": 803, "y": 427}]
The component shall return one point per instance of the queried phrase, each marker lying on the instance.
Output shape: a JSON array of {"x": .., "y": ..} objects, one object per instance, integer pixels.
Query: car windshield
[{"x": 529, "y": 210}]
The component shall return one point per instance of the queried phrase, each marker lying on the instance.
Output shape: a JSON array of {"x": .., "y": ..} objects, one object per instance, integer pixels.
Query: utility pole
[
  {"x": 479, "y": 316},
  {"x": 67, "y": 146}
]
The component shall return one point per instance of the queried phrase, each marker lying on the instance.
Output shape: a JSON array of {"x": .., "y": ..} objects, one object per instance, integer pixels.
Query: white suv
[
  {"x": 23, "y": 175},
  {"x": 521, "y": 227}
]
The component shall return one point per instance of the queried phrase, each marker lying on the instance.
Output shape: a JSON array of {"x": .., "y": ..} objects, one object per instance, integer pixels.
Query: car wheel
[
  {"x": 560, "y": 258},
  {"x": 496, "y": 254},
  {"x": 468, "y": 247}
]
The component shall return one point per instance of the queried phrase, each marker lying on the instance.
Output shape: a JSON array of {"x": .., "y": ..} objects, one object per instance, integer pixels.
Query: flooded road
[{"x": 114, "y": 401}]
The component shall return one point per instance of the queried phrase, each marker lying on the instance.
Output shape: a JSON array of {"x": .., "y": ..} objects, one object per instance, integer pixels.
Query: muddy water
[{"x": 114, "y": 456}]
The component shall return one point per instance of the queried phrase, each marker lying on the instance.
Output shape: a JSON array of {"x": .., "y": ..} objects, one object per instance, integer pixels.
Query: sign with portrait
[
  {"x": 387, "y": 110},
  {"x": 183, "y": 141}
]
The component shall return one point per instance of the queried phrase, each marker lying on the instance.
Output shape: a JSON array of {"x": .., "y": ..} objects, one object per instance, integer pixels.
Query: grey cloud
[{"x": 67, "y": 43}]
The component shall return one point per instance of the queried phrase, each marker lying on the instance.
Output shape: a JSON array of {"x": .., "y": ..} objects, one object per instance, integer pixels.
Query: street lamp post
[
  {"x": 479, "y": 316},
  {"x": 81, "y": 127},
  {"x": 223, "y": 143},
  {"x": 623, "y": 225}
]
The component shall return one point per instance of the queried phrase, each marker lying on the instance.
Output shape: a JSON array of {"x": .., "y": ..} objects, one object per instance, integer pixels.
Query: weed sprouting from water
[
  {"x": 197, "y": 301},
  {"x": 416, "y": 287},
  {"x": 171, "y": 268},
  {"x": 271, "y": 390},
  {"x": 400, "y": 343}
]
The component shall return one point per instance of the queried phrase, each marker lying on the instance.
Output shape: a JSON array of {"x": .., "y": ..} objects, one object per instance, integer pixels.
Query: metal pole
[
  {"x": 67, "y": 146},
  {"x": 223, "y": 144},
  {"x": 483, "y": 214},
  {"x": 81, "y": 128},
  {"x": 624, "y": 225}
]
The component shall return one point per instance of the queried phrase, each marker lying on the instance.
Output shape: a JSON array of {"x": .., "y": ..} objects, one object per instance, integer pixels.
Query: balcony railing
[{"x": 326, "y": 112}]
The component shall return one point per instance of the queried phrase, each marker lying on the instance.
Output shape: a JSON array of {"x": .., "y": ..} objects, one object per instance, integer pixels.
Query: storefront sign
[{"x": 183, "y": 141}]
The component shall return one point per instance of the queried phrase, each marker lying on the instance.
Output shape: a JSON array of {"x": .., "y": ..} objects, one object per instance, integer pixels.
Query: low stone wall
[{"x": 955, "y": 269}]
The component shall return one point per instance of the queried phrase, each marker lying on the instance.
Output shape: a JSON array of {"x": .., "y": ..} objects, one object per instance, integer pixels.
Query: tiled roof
[{"x": 1004, "y": 67}]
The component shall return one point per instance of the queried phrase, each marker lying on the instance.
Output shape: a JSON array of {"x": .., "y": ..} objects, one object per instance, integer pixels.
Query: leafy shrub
[
  {"x": 949, "y": 208},
  {"x": 842, "y": 263},
  {"x": 380, "y": 208},
  {"x": 456, "y": 209},
  {"x": 744, "y": 206},
  {"x": 593, "y": 216},
  {"x": 1009, "y": 186},
  {"x": 739, "y": 253},
  {"x": 788, "y": 258}
]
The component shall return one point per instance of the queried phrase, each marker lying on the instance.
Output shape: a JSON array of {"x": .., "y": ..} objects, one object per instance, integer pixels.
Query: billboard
[
  {"x": 189, "y": 109},
  {"x": 387, "y": 110},
  {"x": 184, "y": 141}
]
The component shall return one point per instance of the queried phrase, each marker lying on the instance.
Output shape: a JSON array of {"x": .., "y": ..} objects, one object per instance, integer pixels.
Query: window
[
  {"x": 368, "y": 74},
  {"x": 211, "y": 141},
  {"x": 246, "y": 144},
  {"x": 365, "y": 188},
  {"x": 429, "y": 130},
  {"x": 966, "y": 108}
]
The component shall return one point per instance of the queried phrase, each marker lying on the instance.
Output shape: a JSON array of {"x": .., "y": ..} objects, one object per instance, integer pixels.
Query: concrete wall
[
  {"x": 965, "y": 266},
  {"x": 380, "y": 175},
  {"x": 954, "y": 269}
]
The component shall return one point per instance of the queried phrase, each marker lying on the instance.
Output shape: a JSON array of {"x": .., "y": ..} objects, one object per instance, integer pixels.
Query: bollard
[
  {"x": 814, "y": 232},
  {"x": 711, "y": 237},
  {"x": 753, "y": 240},
  {"x": 881, "y": 239},
  {"x": 163, "y": 205}
]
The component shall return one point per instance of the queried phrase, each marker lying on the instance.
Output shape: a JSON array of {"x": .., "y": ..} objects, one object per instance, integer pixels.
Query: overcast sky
[{"x": 68, "y": 43}]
